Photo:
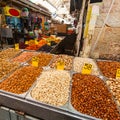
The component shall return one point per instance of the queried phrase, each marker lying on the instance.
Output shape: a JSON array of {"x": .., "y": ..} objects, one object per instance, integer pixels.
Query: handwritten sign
[
  {"x": 17, "y": 46},
  {"x": 26, "y": 42},
  {"x": 118, "y": 74},
  {"x": 35, "y": 61},
  {"x": 60, "y": 65},
  {"x": 87, "y": 68}
]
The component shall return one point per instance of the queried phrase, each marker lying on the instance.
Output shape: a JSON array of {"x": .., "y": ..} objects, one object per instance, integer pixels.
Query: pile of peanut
[
  {"x": 68, "y": 60},
  {"x": 91, "y": 96},
  {"x": 114, "y": 85},
  {"x": 6, "y": 67},
  {"x": 109, "y": 68},
  {"x": 21, "y": 80},
  {"x": 9, "y": 53},
  {"x": 44, "y": 59},
  {"x": 79, "y": 63},
  {"x": 52, "y": 88},
  {"x": 23, "y": 57}
]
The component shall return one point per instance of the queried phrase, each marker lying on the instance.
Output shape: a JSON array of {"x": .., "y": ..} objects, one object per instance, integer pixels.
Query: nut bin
[
  {"x": 79, "y": 63},
  {"x": 6, "y": 67},
  {"x": 68, "y": 61},
  {"x": 9, "y": 53},
  {"x": 25, "y": 56},
  {"x": 52, "y": 88},
  {"x": 44, "y": 59},
  {"x": 114, "y": 86},
  {"x": 113, "y": 57},
  {"x": 21, "y": 80},
  {"x": 109, "y": 68},
  {"x": 90, "y": 96}
]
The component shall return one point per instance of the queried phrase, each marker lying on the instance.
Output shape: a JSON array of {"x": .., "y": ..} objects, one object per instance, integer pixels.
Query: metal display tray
[
  {"x": 104, "y": 81},
  {"x": 67, "y": 107},
  {"x": 29, "y": 97},
  {"x": 15, "y": 94}
]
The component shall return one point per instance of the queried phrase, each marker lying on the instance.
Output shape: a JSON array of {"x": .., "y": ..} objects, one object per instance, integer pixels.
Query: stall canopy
[
  {"x": 59, "y": 8},
  {"x": 54, "y": 5}
]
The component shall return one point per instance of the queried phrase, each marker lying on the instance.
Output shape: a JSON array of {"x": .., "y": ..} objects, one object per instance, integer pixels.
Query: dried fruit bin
[
  {"x": 78, "y": 64},
  {"x": 44, "y": 59},
  {"x": 20, "y": 81},
  {"x": 24, "y": 57},
  {"x": 52, "y": 88},
  {"x": 66, "y": 59},
  {"x": 90, "y": 95},
  {"x": 6, "y": 68},
  {"x": 9, "y": 53},
  {"x": 108, "y": 68}
]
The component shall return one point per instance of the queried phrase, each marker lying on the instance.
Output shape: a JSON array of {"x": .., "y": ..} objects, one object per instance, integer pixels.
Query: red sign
[
  {"x": 14, "y": 12},
  {"x": 11, "y": 11}
]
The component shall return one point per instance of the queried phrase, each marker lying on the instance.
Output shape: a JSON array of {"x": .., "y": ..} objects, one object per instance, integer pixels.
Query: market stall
[
  {"x": 38, "y": 83},
  {"x": 45, "y": 86}
]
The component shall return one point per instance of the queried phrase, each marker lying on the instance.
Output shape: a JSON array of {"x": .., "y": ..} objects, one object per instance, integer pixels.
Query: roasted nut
[
  {"x": 109, "y": 68},
  {"x": 68, "y": 60},
  {"x": 91, "y": 96},
  {"x": 23, "y": 57},
  {"x": 114, "y": 86},
  {"x": 79, "y": 63},
  {"x": 21, "y": 80},
  {"x": 6, "y": 67},
  {"x": 52, "y": 88},
  {"x": 44, "y": 59},
  {"x": 9, "y": 53}
]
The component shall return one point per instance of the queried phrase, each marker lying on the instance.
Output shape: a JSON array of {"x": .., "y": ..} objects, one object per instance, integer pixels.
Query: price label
[
  {"x": 49, "y": 43},
  {"x": 17, "y": 46},
  {"x": 35, "y": 61},
  {"x": 87, "y": 68},
  {"x": 118, "y": 74},
  {"x": 26, "y": 42},
  {"x": 36, "y": 42},
  {"x": 60, "y": 65}
]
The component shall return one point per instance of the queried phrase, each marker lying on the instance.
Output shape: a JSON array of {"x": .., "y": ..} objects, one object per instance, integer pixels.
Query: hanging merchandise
[
  {"x": 46, "y": 25},
  {"x": 9, "y": 11},
  {"x": 24, "y": 12}
]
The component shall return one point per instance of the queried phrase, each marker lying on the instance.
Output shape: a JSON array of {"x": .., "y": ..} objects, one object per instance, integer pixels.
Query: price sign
[
  {"x": 118, "y": 74},
  {"x": 17, "y": 46},
  {"x": 87, "y": 68},
  {"x": 35, "y": 61},
  {"x": 26, "y": 42},
  {"x": 49, "y": 43},
  {"x": 36, "y": 42},
  {"x": 60, "y": 65}
]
